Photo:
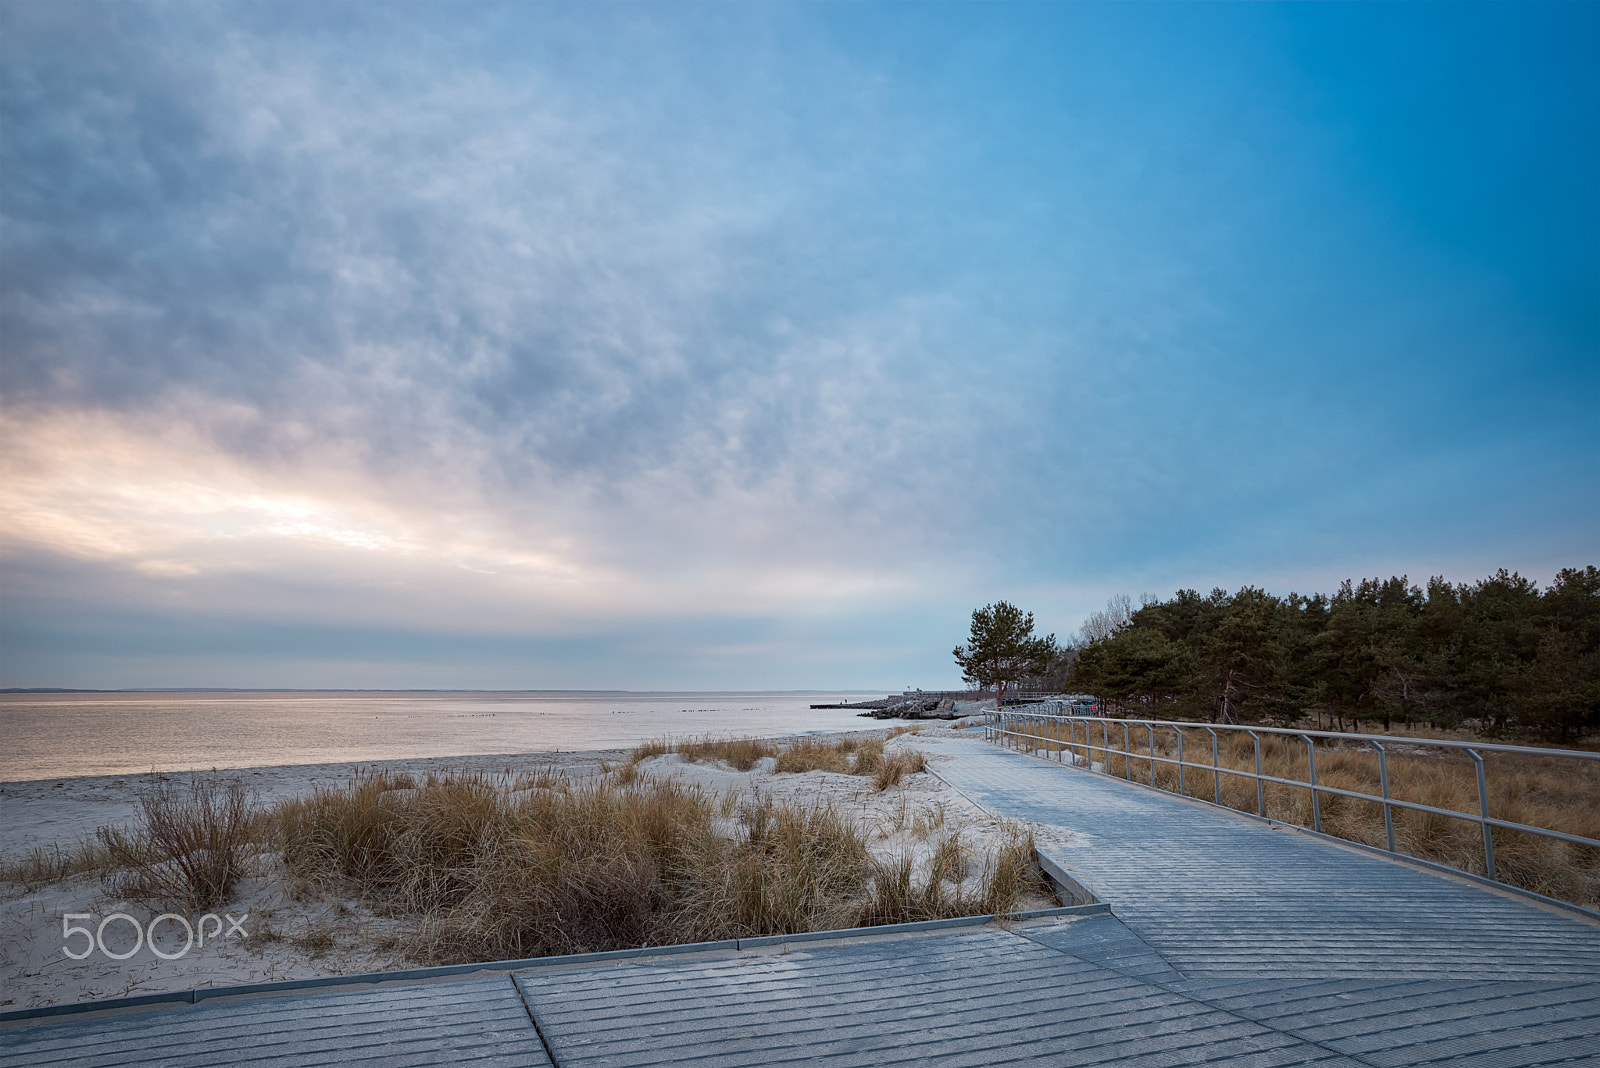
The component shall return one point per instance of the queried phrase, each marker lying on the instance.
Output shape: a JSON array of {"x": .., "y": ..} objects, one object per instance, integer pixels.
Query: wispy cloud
[{"x": 530, "y": 321}]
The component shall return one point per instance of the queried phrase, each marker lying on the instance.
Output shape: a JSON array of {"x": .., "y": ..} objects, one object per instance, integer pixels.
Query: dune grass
[
  {"x": 896, "y": 767},
  {"x": 189, "y": 846},
  {"x": 816, "y": 754},
  {"x": 847, "y": 755},
  {"x": 44, "y": 865},
  {"x": 1562, "y": 795},
  {"x": 492, "y": 868},
  {"x": 186, "y": 849},
  {"x": 741, "y": 753}
]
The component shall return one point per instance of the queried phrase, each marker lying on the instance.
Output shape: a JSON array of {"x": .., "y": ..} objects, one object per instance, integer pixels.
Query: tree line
[{"x": 1500, "y": 655}]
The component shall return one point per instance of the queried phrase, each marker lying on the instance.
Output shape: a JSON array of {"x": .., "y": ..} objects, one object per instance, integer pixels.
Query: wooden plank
[
  {"x": 984, "y": 996},
  {"x": 481, "y": 1023}
]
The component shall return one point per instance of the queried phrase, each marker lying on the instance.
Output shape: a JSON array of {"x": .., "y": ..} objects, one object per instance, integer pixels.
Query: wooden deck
[{"x": 1231, "y": 943}]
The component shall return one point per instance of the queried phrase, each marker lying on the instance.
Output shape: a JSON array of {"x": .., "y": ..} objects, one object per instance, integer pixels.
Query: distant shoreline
[{"x": 353, "y": 689}]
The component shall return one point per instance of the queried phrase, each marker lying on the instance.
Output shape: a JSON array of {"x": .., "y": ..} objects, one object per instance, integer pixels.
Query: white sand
[{"x": 323, "y": 936}]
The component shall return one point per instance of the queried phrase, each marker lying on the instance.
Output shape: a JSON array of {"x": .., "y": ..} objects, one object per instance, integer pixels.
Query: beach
[{"x": 294, "y": 934}]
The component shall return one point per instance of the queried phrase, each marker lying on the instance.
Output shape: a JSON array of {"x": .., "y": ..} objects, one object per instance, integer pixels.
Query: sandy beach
[{"x": 296, "y": 935}]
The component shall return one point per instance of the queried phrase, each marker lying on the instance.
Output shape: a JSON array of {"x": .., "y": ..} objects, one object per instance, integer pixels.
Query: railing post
[
  {"x": 1127, "y": 753},
  {"x": 1316, "y": 808},
  {"x": 1383, "y": 774},
  {"x": 1151, "y": 730},
  {"x": 1105, "y": 737},
  {"x": 1261, "y": 796},
  {"x": 1216, "y": 768},
  {"x": 1483, "y": 810},
  {"x": 1182, "y": 789}
]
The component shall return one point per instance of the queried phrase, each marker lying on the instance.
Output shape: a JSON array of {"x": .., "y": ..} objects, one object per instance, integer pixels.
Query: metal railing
[{"x": 1054, "y": 731}]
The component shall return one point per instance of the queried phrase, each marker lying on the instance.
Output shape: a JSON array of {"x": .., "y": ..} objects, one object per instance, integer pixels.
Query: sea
[{"x": 60, "y": 735}]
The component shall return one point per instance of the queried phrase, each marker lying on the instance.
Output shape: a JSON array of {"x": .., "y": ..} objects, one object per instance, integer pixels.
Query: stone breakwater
[{"x": 915, "y": 705}]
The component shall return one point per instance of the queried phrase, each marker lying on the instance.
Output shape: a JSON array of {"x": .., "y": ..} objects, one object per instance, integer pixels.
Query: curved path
[{"x": 1377, "y": 958}]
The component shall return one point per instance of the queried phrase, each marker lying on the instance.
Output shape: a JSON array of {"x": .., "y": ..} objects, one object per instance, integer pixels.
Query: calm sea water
[{"x": 58, "y": 735}]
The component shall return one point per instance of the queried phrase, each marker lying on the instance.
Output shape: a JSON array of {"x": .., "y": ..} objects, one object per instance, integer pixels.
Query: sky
[{"x": 726, "y": 346}]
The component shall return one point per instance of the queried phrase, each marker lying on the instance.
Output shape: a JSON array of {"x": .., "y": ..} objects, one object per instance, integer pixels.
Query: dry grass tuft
[
  {"x": 811, "y": 754},
  {"x": 869, "y": 757},
  {"x": 52, "y": 864},
  {"x": 740, "y": 753},
  {"x": 190, "y": 847},
  {"x": 848, "y": 755},
  {"x": 1010, "y": 875},
  {"x": 491, "y": 871},
  {"x": 897, "y": 767}
]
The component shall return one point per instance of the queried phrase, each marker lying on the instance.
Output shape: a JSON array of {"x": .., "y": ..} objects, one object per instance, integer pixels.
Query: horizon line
[{"x": 374, "y": 689}]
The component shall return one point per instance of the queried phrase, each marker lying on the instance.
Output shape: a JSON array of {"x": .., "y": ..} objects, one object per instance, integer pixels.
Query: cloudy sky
[{"x": 727, "y": 346}]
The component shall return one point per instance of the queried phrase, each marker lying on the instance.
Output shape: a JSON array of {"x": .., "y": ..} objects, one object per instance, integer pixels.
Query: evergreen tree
[
  {"x": 1001, "y": 648},
  {"x": 1497, "y": 653}
]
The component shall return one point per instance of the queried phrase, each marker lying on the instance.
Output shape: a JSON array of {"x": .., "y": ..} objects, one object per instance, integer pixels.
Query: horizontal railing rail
[{"x": 1057, "y": 731}]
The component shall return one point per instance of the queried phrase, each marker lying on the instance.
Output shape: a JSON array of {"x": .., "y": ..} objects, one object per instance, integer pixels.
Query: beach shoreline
[{"x": 306, "y": 935}]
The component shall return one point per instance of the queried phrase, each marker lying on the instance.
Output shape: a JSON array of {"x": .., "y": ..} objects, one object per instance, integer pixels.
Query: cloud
[{"x": 547, "y": 317}]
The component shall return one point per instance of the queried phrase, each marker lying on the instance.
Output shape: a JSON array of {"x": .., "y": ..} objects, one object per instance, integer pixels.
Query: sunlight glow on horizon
[{"x": 753, "y": 347}]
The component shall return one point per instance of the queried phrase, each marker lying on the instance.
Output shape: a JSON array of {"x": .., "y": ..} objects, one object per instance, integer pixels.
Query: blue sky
[{"x": 727, "y": 346}]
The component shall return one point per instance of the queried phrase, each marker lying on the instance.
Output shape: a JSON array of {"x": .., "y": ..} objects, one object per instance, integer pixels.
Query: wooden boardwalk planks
[
  {"x": 976, "y": 996},
  {"x": 480, "y": 1023},
  {"x": 1217, "y": 894}
]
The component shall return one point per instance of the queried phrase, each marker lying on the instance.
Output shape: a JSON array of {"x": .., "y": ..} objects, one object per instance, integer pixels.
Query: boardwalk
[
  {"x": 1228, "y": 942},
  {"x": 1221, "y": 896}
]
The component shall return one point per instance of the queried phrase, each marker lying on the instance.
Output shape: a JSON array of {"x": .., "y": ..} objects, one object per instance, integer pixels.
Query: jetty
[
  {"x": 913, "y": 704},
  {"x": 1212, "y": 938}
]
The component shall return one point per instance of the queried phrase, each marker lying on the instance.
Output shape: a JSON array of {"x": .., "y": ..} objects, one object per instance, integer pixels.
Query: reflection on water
[{"x": 59, "y": 735}]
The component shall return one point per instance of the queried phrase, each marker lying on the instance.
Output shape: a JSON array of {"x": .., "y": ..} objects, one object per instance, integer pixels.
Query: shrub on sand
[{"x": 189, "y": 847}]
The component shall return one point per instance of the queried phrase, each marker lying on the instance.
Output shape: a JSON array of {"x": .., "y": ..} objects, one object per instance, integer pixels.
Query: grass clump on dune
[
  {"x": 847, "y": 755},
  {"x": 740, "y": 753},
  {"x": 815, "y": 754},
  {"x": 43, "y": 865},
  {"x": 896, "y": 767},
  {"x": 1010, "y": 875},
  {"x": 188, "y": 849},
  {"x": 492, "y": 868},
  {"x": 851, "y": 755}
]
